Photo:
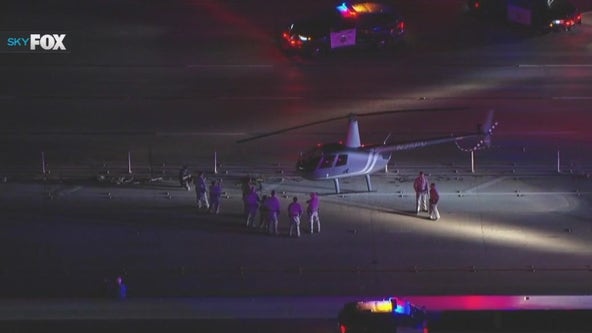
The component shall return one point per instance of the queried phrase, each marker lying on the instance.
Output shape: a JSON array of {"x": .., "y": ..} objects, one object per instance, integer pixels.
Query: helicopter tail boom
[{"x": 482, "y": 138}]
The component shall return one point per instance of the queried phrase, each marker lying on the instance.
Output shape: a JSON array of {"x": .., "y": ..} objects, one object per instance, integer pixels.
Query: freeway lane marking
[
  {"x": 555, "y": 66},
  {"x": 201, "y": 134},
  {"x": 486, "y": 184},
  {"x": 263, "y": 98},
  {"x": 573, "y": 97},
  {"x": 213, "y": 66}
]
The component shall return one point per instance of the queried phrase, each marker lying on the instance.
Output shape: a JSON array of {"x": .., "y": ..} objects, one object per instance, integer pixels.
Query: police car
[
  {"x": 381, "y": 315},
  {"x": 351, "y": 24}
]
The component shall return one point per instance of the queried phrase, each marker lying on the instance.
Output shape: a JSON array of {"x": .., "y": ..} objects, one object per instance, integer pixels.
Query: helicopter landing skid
[{"x": 338, "y": 188}]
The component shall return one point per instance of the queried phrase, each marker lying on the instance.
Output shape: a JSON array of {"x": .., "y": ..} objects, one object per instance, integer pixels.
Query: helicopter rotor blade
[
  {"x": 260, "y": 136},
  {"x": 378, "y": 113}
]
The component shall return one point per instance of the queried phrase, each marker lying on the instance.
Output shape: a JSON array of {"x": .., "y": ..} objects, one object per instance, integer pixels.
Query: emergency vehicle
[
  {"x": 350, "y": 24},
  {"x": 380, "y": 315}
]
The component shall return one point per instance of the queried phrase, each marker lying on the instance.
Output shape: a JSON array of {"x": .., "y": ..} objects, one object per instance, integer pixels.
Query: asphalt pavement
[{"x": 524, "y": 228}]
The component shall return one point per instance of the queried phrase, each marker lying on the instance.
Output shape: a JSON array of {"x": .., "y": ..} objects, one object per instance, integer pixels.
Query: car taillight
[
  {"x": 401, "y": 26},
  {"x": 476, "y": 5},
  {"x": 295, "y": 43},
  {"x": 292, "y": 40},
  {"x": 342, "y": 329}
]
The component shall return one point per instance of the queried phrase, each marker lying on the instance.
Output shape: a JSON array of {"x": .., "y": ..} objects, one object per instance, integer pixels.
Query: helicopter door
[
  {"x": 341, "y": 160},
  {"x": 341, "y": 166},
  {"x": 328, "y": 161}
]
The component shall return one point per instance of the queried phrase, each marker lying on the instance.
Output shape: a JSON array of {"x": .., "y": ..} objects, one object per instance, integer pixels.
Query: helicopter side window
[
  {"x": 341, "y": 160},
  {"x": 327, "y": 161}
]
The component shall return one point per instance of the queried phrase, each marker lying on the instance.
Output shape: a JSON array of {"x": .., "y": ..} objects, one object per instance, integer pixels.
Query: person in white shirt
[{"x": 295, "y": 211}]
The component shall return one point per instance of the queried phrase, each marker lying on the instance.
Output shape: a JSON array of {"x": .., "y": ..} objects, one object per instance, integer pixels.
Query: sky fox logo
[{"x": 37, "y": 42}]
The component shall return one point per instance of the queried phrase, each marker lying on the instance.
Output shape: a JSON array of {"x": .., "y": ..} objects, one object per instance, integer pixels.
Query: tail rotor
[{"x": 483, "y": 138}]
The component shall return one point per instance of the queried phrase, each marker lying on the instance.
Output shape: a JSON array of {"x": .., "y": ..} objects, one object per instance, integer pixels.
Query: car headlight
[{"x": 303, "y": 38}]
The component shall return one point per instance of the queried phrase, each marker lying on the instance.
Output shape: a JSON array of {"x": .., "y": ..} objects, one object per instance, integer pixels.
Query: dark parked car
[
  {"x": 563, "y": 16},
  {"x": 378, "y": 316},
  {"x": 539, "y": 14},
  {"x": 351, "y": 24}
]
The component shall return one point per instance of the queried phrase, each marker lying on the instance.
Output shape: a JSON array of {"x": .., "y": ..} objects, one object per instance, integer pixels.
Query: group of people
[
  {"x": 207, "y": 196},
  {"x": 269, "y": 207},
  {"x": 426, "y": 196}
]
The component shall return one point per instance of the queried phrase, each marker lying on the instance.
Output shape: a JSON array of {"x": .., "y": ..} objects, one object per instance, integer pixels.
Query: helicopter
[{"x": 333, "y": 161}]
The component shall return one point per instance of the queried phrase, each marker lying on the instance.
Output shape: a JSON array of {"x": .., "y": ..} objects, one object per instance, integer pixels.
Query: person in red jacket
[
  {"x": 420, "y": 185},
  {"x": 434, "y": 198}
]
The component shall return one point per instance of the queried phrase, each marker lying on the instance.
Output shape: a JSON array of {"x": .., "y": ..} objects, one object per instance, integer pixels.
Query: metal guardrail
[{"x": 170, "y": 171}]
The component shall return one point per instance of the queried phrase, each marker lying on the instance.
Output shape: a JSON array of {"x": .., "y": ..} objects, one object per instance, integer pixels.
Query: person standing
[
  {"x": 252, "y": 205},
  {"x": 121, "y": 288},
  {"x": 273, "y": 210},
  {"x": 295, "y": 211},
  {"x": 246, "y": 190},
  {"x": 420, "y": 185},
  {"x": 215, "y": 195},
  {"x": 185, "y": 177},
  {"x": 263, "y": 214},
  {"x": 313, "y": 212},
  {"x": 201, "y": 192},
  {"x": 434, "y": 198}
]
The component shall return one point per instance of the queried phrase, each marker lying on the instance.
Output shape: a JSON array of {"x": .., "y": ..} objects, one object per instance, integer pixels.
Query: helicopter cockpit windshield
[
  {"x": 321, "y": 157},
  {"x": 310, "y": 160}
]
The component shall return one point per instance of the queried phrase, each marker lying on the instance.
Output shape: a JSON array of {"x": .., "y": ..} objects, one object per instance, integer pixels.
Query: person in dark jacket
[{"x": 434, "y": 198}]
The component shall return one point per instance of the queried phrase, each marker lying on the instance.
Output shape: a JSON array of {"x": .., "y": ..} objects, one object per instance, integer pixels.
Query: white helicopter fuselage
[
  {"x": 352, "y": 158},
  {"x": 337, "y": 161}
]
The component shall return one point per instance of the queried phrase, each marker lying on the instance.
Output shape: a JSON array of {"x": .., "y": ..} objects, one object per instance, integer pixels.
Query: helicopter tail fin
[{"x": 353, "y": 133}]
